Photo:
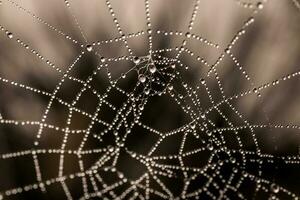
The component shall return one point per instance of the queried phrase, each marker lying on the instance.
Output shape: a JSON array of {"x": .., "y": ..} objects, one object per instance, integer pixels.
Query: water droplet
[
  {"x": 10, "y": 35},
  {"x": 89, "y": 48},
  {"x": 147, "y": 91},
  {"x": 188, "y": 34},
  {"x": 260, "y": 5},
  {"x": 202, "y": 81},
  {"x": 202, "y": 116},
  {"x": 102, "y": 59},
  {"x": 120, "y": 175},
  {"x": 233, "y": 160},
  {"x": 141, "y": 107},
  {"x": 173, "y": 66},
  {"x": 136, "y": 60},
  {"x": 142, "y": 78},
  {"x": 152, "y": 68},
  {"x": 110, "y": 149},
  {"x": 210, "y": 147},
  {"x": 193, "y": 126},
  {"x": 274, "y": 188},
  {"x": 170, "y": 87}
]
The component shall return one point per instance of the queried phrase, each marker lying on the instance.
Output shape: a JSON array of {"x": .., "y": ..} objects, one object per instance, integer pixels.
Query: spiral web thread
[{"x": 151, "y": 69}]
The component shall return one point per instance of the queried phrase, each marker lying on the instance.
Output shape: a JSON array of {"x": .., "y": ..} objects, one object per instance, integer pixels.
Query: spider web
[{"x": 200, "y": 158}]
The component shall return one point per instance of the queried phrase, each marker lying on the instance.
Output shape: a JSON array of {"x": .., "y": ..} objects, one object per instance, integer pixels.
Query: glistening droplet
[
  {"x": 9, "y": 35},
  {"x": 142, "y": 78},
  {"x": 152, "y": 68},
  {"x": 89, "y": 48},
  {"x": 136, "y": 60}
]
